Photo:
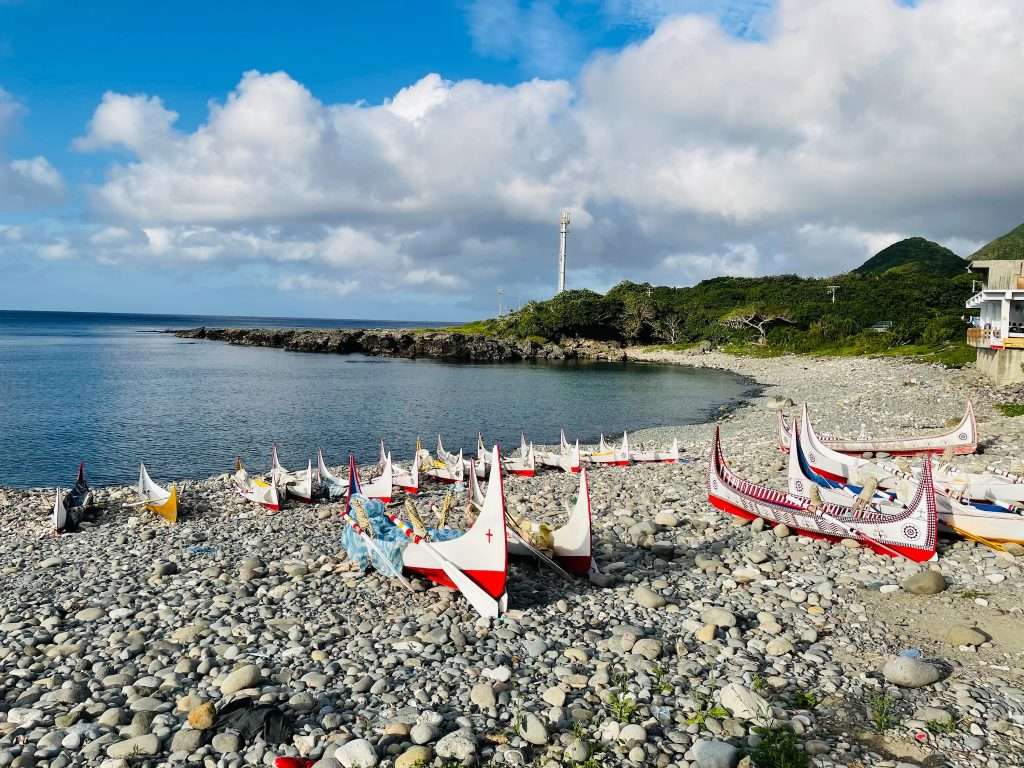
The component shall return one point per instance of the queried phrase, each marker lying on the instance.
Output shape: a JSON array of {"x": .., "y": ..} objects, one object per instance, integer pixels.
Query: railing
[{"x": 983, "y": 337}]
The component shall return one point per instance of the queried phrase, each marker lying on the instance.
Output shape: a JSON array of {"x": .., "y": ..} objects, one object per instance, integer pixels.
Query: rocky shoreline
[
  {"x": 706, "y": 643},
  {"x": 411, "y": 343}
]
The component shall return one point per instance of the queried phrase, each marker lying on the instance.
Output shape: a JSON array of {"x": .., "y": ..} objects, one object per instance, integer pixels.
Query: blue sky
[{"x": 142, "y": 169}]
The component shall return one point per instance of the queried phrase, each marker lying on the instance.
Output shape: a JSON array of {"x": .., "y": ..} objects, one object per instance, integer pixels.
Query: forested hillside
[{"x": 916, "y": 285}]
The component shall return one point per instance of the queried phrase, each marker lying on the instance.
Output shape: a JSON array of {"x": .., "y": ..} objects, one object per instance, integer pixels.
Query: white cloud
[
  {"x": 532, "y": 32},
  {"x": 59, "y": 250},
  {"x": 37, "y": 171},
  {"x": 138, "y": 123},
  {"x": 24, "y": 183},
  {"x": 310, "y": 283},
  {"x": 687, "y": 154}
]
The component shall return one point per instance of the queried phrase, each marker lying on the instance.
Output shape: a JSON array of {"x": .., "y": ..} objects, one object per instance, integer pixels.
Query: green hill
[
  {"x": 1009, "y": 246},
  {"x": 928, "y": 256},
  {"x": 915, "y": 287}
]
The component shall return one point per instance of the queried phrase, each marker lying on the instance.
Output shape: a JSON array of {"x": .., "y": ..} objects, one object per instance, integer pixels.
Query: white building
[{"x": 998, "y": 332}]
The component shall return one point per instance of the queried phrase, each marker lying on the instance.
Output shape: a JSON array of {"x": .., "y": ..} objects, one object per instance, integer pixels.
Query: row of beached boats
[
  {"x": 309, "y": 484},
  {"x": 474, "y": 561},
  {"x": 835, "y": 492}
]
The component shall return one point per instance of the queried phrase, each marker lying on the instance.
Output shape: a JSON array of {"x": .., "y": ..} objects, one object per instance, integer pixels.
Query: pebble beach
[{"x": 703, "y": 643}]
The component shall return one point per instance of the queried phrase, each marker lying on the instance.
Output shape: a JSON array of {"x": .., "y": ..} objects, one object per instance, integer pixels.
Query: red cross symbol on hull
[{"x": 489, "y": 535}]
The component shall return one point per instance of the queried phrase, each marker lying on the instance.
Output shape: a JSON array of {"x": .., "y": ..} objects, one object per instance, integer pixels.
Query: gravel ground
[{"x": 703, "y": 643}]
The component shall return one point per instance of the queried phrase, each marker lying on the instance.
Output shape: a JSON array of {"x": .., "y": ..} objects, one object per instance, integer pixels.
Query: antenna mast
[
  {"x": 501, "y": 302},
  {"x": 563, "y": 234},
  {"x": 832, "y": 291}
]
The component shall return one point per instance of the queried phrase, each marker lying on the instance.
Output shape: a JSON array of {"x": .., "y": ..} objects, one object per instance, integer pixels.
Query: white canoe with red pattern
[
  {"x": 972, "y": 520},
  {"x": 611, "y": 455},
  {"x": 297, "y": 485},
  {"x": 911, "y": 531},
  {"x": 254, "y": 489},
  {"x": 567, "y": 458},
  {"x": 961, "y": 439},
  {"x": 668, "y": 455},
  {"x": 481, "y": 552},
  {"x": 573, "y": 542}
]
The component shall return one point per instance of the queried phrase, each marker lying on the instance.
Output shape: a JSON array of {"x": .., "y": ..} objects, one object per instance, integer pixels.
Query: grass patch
[
  {"x": 972, "y": 594},
  {"x": 680, "y": 347},
  {"x": 779, "y": 748},
  {"x": 955, "y": 355},
  {"x": 706, "y": 710},
  {"x": 942, "y": 726},
  {"x": 753, "y": 350},
  {"x": 1011, "y": 409},
  {"x": 805, "y": 700},
  {"x": 882, "y": 709},
  {"x": 621, "y": 705},
  {"x": 661, "y": 681}
]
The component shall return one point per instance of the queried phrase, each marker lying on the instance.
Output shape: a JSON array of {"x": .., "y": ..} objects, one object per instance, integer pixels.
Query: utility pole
[
  {"x": 832, "y": 292},
  {"x": 563, "y": 235}
]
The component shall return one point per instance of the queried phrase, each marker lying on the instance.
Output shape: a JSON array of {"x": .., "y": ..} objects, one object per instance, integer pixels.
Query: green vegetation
[
  {"x": 1011, "y": 409},
  {"x": 914, "y": 250},
  {"x": 972, "y": 594},
  {"x": 915, "y": 288},
  {"x": 882, "y": 708},
  {"x": 805, "y": 700},
  {"x": 1010, "y": 246},
  {"x": 621, "y": 704},
  {"x": 778, "y": 748},
  {"x": 661, "y": 682},
  {"x": 705, "y": 711},
  {"x": 942, "y": 726}
]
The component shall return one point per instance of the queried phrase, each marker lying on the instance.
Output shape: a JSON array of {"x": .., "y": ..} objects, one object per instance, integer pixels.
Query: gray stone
[
  {"x": 483, "y": 696},
  {"x": 632, "y": 734},
  {"x": 533, "y": 730},
  {"x": 743, "y": 702},
  {"x": 140, "y": 746},
  {"x": 244, "y": 677},
  {"x": 422, "y": 733},
  {"x": 720, "y": 617},
  {"x": 710, "y": 753},
  {"x": 925, "y": 583},
  {"x": 555, "y": 696},
  {"x": 960, "y": 634},
  {"x": 226, "y": 743},
  {"x": 358, "y": 753},
  {"x": 910, "y": 673},
  {"x": 187, "y": 740},
  {"x": 648, "y": 598},
  {"x": 933, "y": 715},
  {"x": 457, "y": 745},
  {"x": 414, "y": 757}
]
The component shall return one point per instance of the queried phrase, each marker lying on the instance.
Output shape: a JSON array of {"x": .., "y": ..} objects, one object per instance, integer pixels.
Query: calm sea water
[{"x": 106, "y": 389}]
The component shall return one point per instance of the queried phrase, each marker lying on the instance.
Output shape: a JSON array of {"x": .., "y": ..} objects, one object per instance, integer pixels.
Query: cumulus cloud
[
  {"x": 25, "y": 183},
  {"x": 836, "y": 130},
  {"x": 138, "y": 123}
]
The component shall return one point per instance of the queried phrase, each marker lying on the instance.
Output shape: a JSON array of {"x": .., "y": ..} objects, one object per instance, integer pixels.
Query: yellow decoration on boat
[{"x": 168, "y": 510}]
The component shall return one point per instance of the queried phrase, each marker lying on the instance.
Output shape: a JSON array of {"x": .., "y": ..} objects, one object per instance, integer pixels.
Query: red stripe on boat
[
  {"x": 917, "y": 555},
  {"x": 492, "y": 582}
]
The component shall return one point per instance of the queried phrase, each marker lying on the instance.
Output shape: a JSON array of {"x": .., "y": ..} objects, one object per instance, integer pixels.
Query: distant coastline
[{"x": 411, "y": 343}]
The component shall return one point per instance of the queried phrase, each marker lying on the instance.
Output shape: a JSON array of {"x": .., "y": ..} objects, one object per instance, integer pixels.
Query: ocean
[{"x": 111, "y": 390}]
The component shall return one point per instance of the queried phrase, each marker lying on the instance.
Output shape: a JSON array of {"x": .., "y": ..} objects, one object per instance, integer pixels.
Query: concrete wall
[
  {"x": 1003, "y": 366},
  {"x": 1000, "y": 274}
]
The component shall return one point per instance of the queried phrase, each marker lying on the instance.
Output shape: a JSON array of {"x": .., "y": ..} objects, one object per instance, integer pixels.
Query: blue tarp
[{"x": 389, "y": 540}]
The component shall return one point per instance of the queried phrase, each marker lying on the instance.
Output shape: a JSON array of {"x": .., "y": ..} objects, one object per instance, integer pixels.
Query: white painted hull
[{"x": 961, "y": 439}]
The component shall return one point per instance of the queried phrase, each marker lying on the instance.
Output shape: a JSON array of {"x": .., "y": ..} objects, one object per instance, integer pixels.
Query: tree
[
  {"x": 756, "y": 316},
  {"x": 669, "y": 328},
  {"x": 636, "y": 313}
]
